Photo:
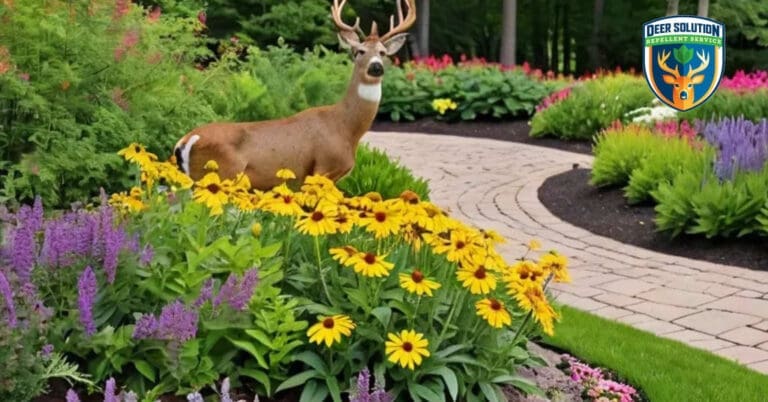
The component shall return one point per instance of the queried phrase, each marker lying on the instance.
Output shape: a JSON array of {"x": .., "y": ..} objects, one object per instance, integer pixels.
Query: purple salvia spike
[
  {"x": 7, "y": 294},
  {"x": 362, "y": 390},
  {"x": 146, "y": 255},
  {"x": 177, "y": 323},
  {"x": 206, "y": 293},
  {"x": 225, "y": 397},
  {"x": 195, "y": 397},
  {"x": 72, "y": 396},
  {"x": 86, "y": 296},
  {"x": 130, "y": 396},
  {"x": 146, "y": 327},
  {"x": 109, "y": 391},
  {"x": 113, "y": 243}
]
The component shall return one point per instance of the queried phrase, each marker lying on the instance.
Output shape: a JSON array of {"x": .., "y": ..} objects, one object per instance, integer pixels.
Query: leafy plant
[{"x": 374, "y": 170}]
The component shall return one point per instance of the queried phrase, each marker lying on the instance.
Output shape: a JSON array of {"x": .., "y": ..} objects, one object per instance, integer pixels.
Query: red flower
[{"x": 154, "y": 15}]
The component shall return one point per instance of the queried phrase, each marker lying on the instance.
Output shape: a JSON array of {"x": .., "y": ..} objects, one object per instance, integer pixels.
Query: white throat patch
[
  {"x": 185, "y": 150},
  {"x": 370, "y": 92}
]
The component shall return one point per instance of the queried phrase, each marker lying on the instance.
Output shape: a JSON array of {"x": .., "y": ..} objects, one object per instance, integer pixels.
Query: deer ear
[
  {"x": 697, "y": 79},
  {"x": 348, "y": 40},
  {"x": 394, "y": 43},
  {"x": 668, "y": 79}
]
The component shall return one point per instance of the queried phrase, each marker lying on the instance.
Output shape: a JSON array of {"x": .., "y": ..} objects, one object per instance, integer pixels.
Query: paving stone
[
  {"x": 616, "y": 299},
  {"x": 760, "y": 367},
  {"x": 658, "y": 327},
  {"x": 581, "y": 291},
  {"x": 748, "y": 284},
  {"x": 676, "y": 297},
  {"x": 689, "y": 285},
  {"x": 763, "y": 346},
  {"x": 744, "y": 305},
  {"x": 749, "y": 293},
  {"x": 711, "y": 344},
  {"x": 745, "y": 336},
  {"x": 688, "y": 335},
  {"x": 720, "y": 290},
  {"x": 628, "y": 287},
  {"x": 579, "y": 302},
  {"x": 762, "y": 325},
  {"x": 716, "y": 322},
  {"x": 744, "y": 354},
  {"x": 612, "y": 313},
  {"x": 661, "y": 311},
  {"x": 599, "y": 279},
  {"x": 635, "y": 319}
]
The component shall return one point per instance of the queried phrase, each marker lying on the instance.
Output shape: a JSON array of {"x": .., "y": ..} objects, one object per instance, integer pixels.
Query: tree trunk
[
  {"x": 703, "y": 8},
  {"x": 672, "y": 7},
  {"x": 539, "y": 35},
  {"x": 423, "y": 27},
  {"x": 554, "y": 62},
  {"x": 566, "y": 40},
  {"x": 509, "y": 33},
  {"x": 594, "y": 51}
]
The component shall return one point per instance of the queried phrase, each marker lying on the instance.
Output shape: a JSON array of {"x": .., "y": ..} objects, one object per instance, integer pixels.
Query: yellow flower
[
  {"x": 282, "y": 201},
  {"x": 534, "y": 245},
  {"x": 211, "y": 192},
  {"x": 169, "y": 172},
  {"x": 521, "y": 274},
  {"x": 330, "y": 329},
  {"x": 321, "y": 221},
  {"x": 256, "y": 229},
  {"x": 461, "y": 247},
  {"x": 343, "y": 254},
  {"x": 407, "y": 348},
  {"x": 532, "y": 298},
  {"x": 211, "y": 165},
  {"x": 128, "y": 203},
  {"x": 370, "y": 265},
  {"x": 138, "y": 154},
  {"x": 478, "y": 279},
  {"x": 345, "y": 220},
  {"x": 556, "y": 264},
  {"x": 412, "y": 233},
  {"x": 382, "y": 221},
  {"x": 417, "y": 283},
  {"x": 493, "y": 311},
  {"x": 493, "y": 236},
  {"x": 442, "y": 105},
  {"x": 285, "y": 174}
]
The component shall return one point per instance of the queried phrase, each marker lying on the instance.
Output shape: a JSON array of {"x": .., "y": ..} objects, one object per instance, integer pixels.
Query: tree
[
  {"x": 703, "y": 8},
  {"x": 672, "y": 7},
  {"x": 423, "y": 27},
  {"x": 509, "y": 33},
  {"x": 597, "y": 18}
]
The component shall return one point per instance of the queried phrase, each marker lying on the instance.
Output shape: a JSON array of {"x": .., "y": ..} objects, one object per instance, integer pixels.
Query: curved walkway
[{"x": 494, "y": 185}]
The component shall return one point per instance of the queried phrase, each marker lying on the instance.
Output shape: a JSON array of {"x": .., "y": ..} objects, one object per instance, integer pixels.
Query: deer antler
[
  {"x": 662, "y": 59},
  {"x": 404, "y": 23},
  {"x": 704, "y": 57},
  {"x": 336, "y": 14}
]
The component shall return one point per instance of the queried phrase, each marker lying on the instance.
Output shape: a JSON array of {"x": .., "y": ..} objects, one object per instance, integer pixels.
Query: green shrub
[
  {"x": 374, "y": 171},
  {"x": 592, "y": 106},
  {"x": 479, "y": 91},
  {"x": 619, "y": 152},
  {"x": 67, "y": 103},
  {"x": 726, "y": 103}
]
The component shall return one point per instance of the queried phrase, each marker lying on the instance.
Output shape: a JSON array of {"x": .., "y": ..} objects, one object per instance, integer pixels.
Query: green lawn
[{"x": 667, "y": 370}]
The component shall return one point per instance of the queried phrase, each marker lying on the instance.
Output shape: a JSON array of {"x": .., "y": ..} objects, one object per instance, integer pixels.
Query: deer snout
[
  {"x": 684, "y": 94},
  {"x": 376, "y": 68}
]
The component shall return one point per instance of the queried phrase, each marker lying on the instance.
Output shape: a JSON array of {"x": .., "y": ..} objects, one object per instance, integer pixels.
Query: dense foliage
[{"x": 167, "y": 292}]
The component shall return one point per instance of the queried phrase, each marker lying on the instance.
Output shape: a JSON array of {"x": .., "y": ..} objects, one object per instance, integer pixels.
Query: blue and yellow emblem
[{"x": 683, "y": 59}]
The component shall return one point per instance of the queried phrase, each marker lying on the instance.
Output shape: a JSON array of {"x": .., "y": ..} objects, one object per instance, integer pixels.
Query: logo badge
[{"x": 683, "y": 59}]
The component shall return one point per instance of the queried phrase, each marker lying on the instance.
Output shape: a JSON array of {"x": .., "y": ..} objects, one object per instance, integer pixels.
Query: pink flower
[
  {"x": 154, "y": 15},
  {"x": 746, "y": 82},
  {"x": 202, "y": 17}
]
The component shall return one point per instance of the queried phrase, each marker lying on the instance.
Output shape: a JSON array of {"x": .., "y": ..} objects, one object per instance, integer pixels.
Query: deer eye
[
  {"x": 359, "y": 53},
  {"x": 382, "y": 53},
  {"x": 677, "y": 85}
]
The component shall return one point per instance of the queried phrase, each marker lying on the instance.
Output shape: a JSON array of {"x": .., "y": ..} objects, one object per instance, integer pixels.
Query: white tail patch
[
  {"x": 370, "y": 92},
  {"x": 185, "y": 150}
]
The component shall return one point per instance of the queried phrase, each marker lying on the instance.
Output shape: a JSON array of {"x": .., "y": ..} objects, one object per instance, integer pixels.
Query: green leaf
[
  {"x": 251, "y": 349},
  {"x": 260, "y": 376},
  {"x": 521, "y": 383},
  {"x": 451, "y": 382},
  {"x": 313, "y": 360},
  {"x": 313, "y": 392},
  {"x": 489, "y": 391},
  {"x": 683, "y": 54},
  {"x": 333, "y": 388},
  {"x": 298, "y": 379},
  {"x": 145, "y": 369},
  {"x": 423, "y": 392},
  {"x": 260, "y": 336},
  {"x": 384, "y": 314}
]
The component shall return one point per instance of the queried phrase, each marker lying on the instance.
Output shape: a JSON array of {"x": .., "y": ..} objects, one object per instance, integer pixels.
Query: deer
[
  {"x": 683, "y": 85},
  {"x": 317, "y": 141}
]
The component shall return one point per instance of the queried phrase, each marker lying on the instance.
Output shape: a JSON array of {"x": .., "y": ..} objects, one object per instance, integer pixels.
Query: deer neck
[{"x": 359, "y": 107}]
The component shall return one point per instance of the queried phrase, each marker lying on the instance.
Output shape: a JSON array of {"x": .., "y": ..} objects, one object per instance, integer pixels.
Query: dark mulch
[
  {"x": 605, "y": 212},
  {"x": 515, "y": 131}
]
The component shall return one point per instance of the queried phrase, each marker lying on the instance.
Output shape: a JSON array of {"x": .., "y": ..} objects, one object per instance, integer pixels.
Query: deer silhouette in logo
[{"x": 683, "y": 85}]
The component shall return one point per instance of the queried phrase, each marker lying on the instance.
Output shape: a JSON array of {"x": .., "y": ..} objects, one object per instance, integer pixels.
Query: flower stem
[
  {"x": 458, "y": 300},
  {"x": 320, "y": 269},
  {"x": 522, "y": 326}
]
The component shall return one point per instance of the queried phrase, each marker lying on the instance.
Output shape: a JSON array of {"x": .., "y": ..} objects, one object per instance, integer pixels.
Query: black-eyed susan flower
[
  {"x": 136, "y": 153},
  {"x": 285, "y": 174},
  {"x": 382, "y": 221},
  {"x": 128, "y": 202},
  {"x": 521, "y": 274},
  {"x": 493, "y": 237},
  {"x": 371, "y": 265},
  {"x": 417, "y": 283},
  {"x": 477, "y": 279},
  {"x": 281, "y": 201},
  {"x": 557, "y": 264},
  {"x": 345, "y": 220},
  {"x": 344, "y": 254},
  {"x": 319, "y": 222},
  {"x": 532, "y": 298},
  {"x": 170, "y": 172},
  {"x": 493, "y": 311},
  {"x": 210, "y": 191},
  {"x": 407, "y": 348},
  {"x": 412, "y": 234},
  {"x": 330, "y": 329},
  {"x": 462, "y": 246}
]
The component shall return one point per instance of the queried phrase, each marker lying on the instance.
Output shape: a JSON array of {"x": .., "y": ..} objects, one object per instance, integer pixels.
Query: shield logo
[{"x": 684, "y": 59}]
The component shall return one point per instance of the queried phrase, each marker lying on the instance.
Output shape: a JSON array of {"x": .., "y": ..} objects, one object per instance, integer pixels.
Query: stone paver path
[{"x": 494, "y": 185}]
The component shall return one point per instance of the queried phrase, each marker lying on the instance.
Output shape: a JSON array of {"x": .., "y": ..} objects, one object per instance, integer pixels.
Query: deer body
[{"x": 321, "y": 140}]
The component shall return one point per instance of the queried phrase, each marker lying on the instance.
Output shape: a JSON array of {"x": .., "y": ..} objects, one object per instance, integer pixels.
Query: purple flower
[
  {"x": 145, "y": 327},
  {"x": 72, "y": 396},
  {"x": 130, "y": 396},
  {"x": 22, "y": 247},
  {"x": 237, "y": 295},
  {"x": 7, "y": 294},
  {"x": 225, "y": 397},
  {"x": 741, "y": 145},
  {"x": 46, "y": 351},
  {"x": 146, "y": 255},
  {"x": 86, "y": 296},
  {"x": 176, "y": 323},
  {"x": 206, "y": 293},
  {"x": 109, "y": 391},
  {"x": 113, "y": 243},
  {"x": 362, "y": 391},
  {"x": 195, "y": 397}
]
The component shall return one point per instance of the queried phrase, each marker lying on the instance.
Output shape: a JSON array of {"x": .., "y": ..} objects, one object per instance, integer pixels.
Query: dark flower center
[
  {"x": 317, "y": 216},
  {"x": 213, "y": 188},
  {"x": 524, "y": 275},
  {"x": 137, "y": 149},
  {"x": 460, "y": 245},
  {"x": 407, "y": 346},
  {"x": 417, "y": 276},
  {"x": 495, "y": 305},
  {"x": 480, "y": 273},
  {"x": 381, "y": 216},
  {"x": 328, "y": 323},
  {"x": 362, "y": 214},
  {"x": 369, "y": 258},
  {"x": 287, "y": 199},
  {"x": 342, "y": 219}
]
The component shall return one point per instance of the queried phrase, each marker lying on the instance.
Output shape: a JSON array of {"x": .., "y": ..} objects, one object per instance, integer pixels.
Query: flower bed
[{"x": 170, "y": 288}]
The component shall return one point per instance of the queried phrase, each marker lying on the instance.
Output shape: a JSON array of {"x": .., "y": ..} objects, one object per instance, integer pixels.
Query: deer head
[
  {"x": 683, "y": 85},
  {"x": 369, "y": 52}
]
